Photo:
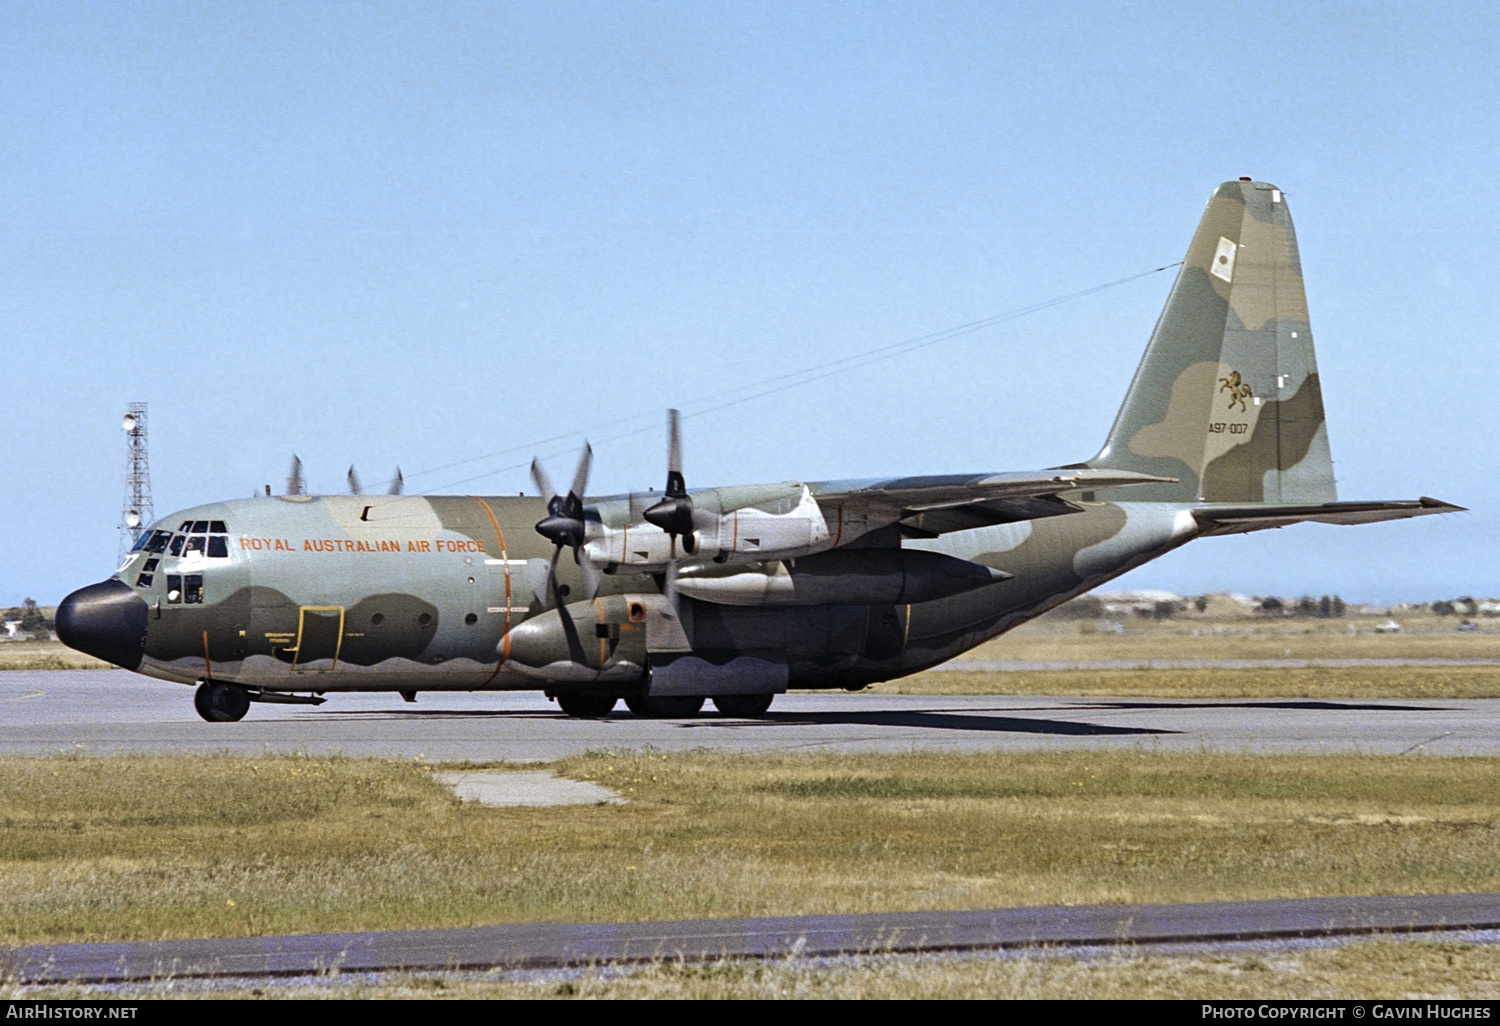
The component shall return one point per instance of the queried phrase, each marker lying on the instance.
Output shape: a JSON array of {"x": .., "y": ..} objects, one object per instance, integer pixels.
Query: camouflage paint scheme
[{"x": 1222, "y": 430}]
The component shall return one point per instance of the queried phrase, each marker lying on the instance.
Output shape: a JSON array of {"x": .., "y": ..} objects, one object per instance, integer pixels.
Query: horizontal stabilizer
[{"x": 1262, "y": 516}]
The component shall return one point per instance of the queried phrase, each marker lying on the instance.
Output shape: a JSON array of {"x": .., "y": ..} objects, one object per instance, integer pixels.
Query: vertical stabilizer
[{"x": 1227, "y": 397}]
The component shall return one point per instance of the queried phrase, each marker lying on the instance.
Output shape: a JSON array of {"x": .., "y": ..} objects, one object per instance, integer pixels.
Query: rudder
[{"x": 1227, "y": 397}]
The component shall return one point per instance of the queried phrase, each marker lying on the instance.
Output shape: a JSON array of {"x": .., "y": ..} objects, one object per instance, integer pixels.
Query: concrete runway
[{"x": 104, "y": 712}]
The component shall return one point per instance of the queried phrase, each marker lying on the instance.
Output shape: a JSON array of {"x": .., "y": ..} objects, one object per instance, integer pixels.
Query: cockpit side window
[
  {"x": 174, "y": 588},
  {"x": 158, "y": 542},
  {"x": 218, "y": 546},
  {"x": 192, "y": 589}
]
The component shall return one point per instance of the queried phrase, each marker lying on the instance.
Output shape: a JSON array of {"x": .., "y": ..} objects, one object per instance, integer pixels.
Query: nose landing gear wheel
[
  {"x": 665, "y": 708},
  {"x": 221, "y": 703},
  {"x": 586, "y": 706},
  {"x": 744, "y": 706}
]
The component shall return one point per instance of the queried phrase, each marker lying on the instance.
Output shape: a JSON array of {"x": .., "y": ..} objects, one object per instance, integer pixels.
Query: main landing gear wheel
[
  {"x": 666, "y": 708},
  {"x": 745, "y": 706},
  {"x": 585, "y": 705},
  {"x": 221, "y": 703}
]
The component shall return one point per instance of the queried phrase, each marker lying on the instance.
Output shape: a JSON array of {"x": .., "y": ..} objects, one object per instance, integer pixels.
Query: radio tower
[{"x": 136, "y": 515}]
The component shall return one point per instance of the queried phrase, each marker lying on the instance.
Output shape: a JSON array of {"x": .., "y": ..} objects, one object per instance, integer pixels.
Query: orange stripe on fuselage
[{"x": 500, "y": 537}]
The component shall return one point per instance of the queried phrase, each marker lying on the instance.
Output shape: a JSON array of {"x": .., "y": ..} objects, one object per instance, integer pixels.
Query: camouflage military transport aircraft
[{"x": 737, "y": 594}]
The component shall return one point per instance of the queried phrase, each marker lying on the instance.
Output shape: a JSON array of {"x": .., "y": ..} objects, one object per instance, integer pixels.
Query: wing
[{"x": 930, "y": 506}]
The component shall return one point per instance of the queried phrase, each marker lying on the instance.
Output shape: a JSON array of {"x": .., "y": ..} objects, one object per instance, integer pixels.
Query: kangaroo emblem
[{"x": 1237, "y": 389}]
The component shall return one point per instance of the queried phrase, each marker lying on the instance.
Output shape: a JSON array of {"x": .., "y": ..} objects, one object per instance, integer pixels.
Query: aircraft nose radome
[{"x": 106, "y": 620}]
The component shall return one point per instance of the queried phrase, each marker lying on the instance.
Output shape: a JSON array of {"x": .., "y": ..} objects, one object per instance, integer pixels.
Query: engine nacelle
[
  {"x": 851, "y": 577},
  {"x": 783, "y": 522},
  {"x": 601, "y": 640}
]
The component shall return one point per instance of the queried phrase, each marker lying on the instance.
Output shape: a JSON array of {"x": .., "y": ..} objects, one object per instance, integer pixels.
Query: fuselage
[{"x": 409, "y": 593}]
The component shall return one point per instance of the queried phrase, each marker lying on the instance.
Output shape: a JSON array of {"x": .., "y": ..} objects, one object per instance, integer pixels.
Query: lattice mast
[{"x": 136, "y": 515}]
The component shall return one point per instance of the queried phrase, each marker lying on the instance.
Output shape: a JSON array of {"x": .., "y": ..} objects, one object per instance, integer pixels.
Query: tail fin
[{"x": 1227, "y": 397}]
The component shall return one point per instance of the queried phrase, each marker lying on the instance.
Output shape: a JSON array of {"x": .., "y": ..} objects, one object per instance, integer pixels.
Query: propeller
[
  {"x": 563, "y": 525},
  {"x": 296, "y": 484},
  {"x": 357, "y": 488},
  {"x": 674, "y": 513}
]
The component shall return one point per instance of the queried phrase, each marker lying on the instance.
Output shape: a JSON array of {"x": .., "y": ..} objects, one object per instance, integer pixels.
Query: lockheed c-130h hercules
[{"x": 737, "y": 594}]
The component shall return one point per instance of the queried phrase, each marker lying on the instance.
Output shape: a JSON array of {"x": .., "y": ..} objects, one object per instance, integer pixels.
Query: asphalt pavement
[
  {"x": 105, "y": 712},
  {"x": 550, "y": 945}
]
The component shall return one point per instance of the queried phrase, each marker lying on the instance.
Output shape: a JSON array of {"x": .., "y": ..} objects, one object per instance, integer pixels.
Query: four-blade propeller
[{"x": 564, "y": 525}]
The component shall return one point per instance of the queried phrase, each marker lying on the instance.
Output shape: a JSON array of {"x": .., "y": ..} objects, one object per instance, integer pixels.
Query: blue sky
[{"x": 419, "y": 234}]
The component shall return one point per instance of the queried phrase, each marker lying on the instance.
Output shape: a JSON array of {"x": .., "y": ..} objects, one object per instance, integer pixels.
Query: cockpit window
[
  {"x": 174, "y": 588},
  {"x": 192, "y": 588},
  {"x": 140, "y": 543},
  {"x": 195, "y": 537}
]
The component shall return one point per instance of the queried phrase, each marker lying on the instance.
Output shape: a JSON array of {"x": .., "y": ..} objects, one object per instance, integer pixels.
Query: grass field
[
  {"x": 46, "y": 655},
  {"x": 143, "y": 847},
  {"x": 1433, "y": 682}
]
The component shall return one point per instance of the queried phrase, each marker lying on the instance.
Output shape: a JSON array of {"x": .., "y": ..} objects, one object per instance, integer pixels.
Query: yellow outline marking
[{"x": 302, "y": 612}]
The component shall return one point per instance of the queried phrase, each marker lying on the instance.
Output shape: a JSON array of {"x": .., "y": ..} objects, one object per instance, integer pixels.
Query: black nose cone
[{"x": 106, "y": 620}]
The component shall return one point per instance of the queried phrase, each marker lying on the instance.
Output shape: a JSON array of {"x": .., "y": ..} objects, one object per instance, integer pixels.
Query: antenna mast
[{"x": 136, "y": 515}]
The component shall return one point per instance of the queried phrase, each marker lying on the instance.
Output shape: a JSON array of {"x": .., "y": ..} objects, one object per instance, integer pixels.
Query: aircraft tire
[
  {"x": 221, "y": 703},
  {"x": 586, "y": 706},
  {"x": 743, "y": 706},
  {"x": 664, "y": 707}
]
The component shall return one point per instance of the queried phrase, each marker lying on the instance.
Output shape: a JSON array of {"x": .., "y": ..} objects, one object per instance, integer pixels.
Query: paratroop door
[{"x": 320, "y": 633}]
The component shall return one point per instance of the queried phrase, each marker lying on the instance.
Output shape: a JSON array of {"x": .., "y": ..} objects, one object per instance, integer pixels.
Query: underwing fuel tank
[{"x": 855, "y": 577}]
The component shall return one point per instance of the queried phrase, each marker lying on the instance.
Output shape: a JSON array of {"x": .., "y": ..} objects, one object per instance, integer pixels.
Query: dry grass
[
  {"x": 147, "y": 847},
  {"x": 46, "y": 655},
  {"x": 1423, "y": 636},
  {"x": 1432, "y": 682},
  {"x": 1382, "y": 969}
]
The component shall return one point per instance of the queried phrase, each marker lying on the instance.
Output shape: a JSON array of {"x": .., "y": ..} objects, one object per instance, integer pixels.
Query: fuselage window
[{"x": 174, "y": 588}]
